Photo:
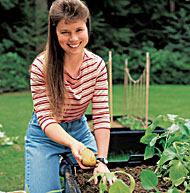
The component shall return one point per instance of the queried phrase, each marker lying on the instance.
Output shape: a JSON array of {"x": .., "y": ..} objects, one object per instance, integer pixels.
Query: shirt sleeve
[
  {"x": 100, "y": 107},
  {"x": 39, "y": 95}
]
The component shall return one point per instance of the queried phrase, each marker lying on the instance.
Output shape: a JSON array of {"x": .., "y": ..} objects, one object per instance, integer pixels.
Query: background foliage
[{"x": 128, "y": 28}]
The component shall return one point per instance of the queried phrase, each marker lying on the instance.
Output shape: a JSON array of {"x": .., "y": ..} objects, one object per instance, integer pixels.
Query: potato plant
[
  {"x": 173, "y": 151},
  {"x": 117, "y": 186}
]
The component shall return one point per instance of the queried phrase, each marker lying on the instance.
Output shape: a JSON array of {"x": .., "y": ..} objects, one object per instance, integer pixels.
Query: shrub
[
  {"x": 174, "y": 156},
  {"x": 166, "y": 66},
  {"x": 13, "y": 73}
]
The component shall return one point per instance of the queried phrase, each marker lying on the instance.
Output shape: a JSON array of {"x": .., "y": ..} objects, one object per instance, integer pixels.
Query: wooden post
[
  {"x": 110, "y": 86},
  {"x": 147, "y": 84},
  {"x": 125, "y": 86}
]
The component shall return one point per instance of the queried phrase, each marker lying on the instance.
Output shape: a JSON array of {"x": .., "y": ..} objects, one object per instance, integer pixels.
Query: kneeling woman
[{"x": 65, "y": 78}]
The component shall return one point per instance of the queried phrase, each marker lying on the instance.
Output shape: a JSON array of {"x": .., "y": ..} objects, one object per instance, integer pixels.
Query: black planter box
[
  {"x": 121, "y": 140},
  {"x": 124, "y": 140},
  {"x": 68, "y": 170}
]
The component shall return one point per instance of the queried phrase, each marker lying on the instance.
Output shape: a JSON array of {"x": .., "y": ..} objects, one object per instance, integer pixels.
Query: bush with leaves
[
  {"x": 174, "y": 158},
  {"x": 13, "y": 72},
  {"x": 166, "y": 66}
]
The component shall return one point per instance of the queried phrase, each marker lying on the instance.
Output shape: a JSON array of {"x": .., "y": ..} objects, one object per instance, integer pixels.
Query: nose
[{"x": 73, "y": 37}]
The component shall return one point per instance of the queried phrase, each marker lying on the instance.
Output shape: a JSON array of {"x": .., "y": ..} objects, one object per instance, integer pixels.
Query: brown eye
[
  {"x": 64, "y": 32},
  {"x": 78, "y": 30}
]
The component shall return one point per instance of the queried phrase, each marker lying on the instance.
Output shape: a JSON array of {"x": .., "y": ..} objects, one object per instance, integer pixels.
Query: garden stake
[
  {"x": 147, "y": 84},
  {"x": 125, "y": 86}
]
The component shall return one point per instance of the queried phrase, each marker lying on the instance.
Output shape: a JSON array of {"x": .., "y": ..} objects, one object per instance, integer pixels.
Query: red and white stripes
[{"x": 90, "y": 86}]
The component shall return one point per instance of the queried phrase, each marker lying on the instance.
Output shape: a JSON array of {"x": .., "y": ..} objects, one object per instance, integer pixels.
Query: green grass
[
  {"x": 16, "y": 110},
  {"x": 163, "y": 99}
]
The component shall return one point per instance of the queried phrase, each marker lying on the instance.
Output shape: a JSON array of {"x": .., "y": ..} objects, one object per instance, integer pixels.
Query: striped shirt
[{"x": 90, "y": 86}]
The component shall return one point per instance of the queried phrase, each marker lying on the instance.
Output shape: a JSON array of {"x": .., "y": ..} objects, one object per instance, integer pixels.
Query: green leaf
[
  {"x": 187, "y": 158},
  {"x": 102, "y": 187},
  {"x": 147, "y": 138},
  {"x": 56, "y": 191},
  {"x": 119, "y": 187},
  {"x": 185, "y": 130},
  {"x": 96, "y": 175},
  {"x": 149, "y": 152},
  {"x": 172, "y": 117},
  {"x": 175, "y": 190},
  {"x": 132, "y": 181},
  {"x": 149, "y": 179},
  {"x": 110, "y": 176},
  {"x": 153, "y": 126},
  {"x": 27, "y": 190},
  {"x": 178, "y": 172},
  {"x": 168, "y": 154},
  {"x": 153, "y": 141}
]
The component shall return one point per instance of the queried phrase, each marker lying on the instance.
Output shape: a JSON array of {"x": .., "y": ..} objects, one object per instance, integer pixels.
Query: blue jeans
[{"x": 42, "y": 154}]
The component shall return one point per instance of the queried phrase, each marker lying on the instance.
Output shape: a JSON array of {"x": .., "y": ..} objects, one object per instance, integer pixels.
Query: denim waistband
[
  {"x": 66, "y": 125},
  {"x": 70, "y": 124}
]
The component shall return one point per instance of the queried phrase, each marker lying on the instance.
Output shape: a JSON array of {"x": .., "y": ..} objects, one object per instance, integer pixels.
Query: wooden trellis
[{"x": 136, "y": 92}]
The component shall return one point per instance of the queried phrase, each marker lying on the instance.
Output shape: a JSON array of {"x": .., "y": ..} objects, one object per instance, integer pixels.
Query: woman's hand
[
  {"x": 101, "y": 167},
  {"x": 77, "y": 149}
]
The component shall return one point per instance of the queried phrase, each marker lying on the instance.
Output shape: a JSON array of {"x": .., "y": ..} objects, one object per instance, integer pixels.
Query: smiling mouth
[{"x": 74, "y": 45}]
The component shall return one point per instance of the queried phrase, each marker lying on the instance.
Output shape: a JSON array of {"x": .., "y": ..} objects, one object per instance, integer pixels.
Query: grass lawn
[
  {"x": 15, "y": 112},
  {"x": 16, "y": 109}
]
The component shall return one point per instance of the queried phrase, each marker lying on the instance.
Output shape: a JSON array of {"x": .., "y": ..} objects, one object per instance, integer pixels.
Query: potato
[{"x": 88, "y": 158}]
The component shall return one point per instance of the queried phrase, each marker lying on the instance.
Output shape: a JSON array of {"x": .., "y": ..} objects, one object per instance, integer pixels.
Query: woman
[{"x": 65, "y": 78}]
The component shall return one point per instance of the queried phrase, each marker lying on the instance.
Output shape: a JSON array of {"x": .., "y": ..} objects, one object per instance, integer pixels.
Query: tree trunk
[
  {"x": 172, "y": 6},
  {"x": 41, "y": 9}
]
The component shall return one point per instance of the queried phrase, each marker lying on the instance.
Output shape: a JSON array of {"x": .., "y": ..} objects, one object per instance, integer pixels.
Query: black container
[
  {"x": 68, "y": 170},
  {"x": 70, "y": 183},
  {"x": 121, "y": 140},
  {"x": 124, "y": 140}
]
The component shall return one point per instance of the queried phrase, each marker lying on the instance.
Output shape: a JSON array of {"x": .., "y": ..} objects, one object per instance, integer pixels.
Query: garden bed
[
  {"x": 81, "y": 177},
  {"x": 170, "y": 174}
]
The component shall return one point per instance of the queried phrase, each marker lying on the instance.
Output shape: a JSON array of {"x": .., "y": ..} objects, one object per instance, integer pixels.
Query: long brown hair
[{"x": 69, "y": 10}]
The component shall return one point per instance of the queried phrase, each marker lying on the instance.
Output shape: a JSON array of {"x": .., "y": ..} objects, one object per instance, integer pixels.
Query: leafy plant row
[{"x": 173, "y": 149}]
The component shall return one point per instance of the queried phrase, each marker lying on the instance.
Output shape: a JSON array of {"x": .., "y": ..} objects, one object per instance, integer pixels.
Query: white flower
[
  {"x": 2, "y": 134},
  {"x": 1, "y": 126},
  {"x": 9, "y": 143},
  {"x": 7, "y": 139}
]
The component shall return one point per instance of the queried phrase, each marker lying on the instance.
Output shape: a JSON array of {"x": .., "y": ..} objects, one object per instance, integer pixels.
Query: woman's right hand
[{"x": 76, "y": 149}]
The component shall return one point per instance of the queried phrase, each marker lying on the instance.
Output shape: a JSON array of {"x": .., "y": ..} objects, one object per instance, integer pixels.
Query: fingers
[
  {"x": 84, "y": 167},
  {"x": 95, "y": 180},
  {"x": 97, "y": 162},
  {"x": 110, "y": 182},
  {"x": 102, "y": 168},
  {"x": 78, "y": 157},
  {"x": 104, "y": 180}
]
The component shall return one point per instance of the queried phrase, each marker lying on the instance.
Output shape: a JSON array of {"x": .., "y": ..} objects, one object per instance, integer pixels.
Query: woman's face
[{"x": 72, "y": 37}]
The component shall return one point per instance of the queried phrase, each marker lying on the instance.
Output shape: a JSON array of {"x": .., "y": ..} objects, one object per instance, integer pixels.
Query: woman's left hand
[{"x": 101, "y": 167}]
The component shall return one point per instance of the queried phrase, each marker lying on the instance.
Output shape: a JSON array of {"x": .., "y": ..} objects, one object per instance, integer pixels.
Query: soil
[{"x": 82, "y": 178}]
